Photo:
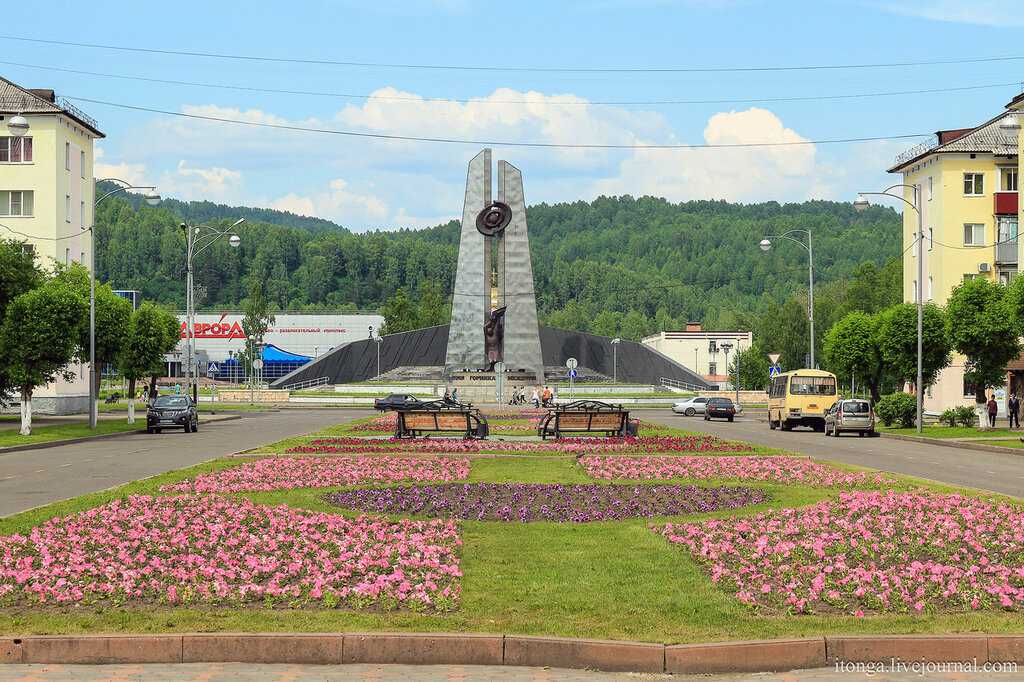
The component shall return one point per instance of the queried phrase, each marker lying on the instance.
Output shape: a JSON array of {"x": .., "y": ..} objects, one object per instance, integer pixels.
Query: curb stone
[{"x": 949, "y": 443}]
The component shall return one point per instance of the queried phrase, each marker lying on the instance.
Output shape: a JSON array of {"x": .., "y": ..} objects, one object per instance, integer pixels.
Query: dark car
[
  {"x": 719, "y": 408},
  {"x": 172, "y": 412},
  {"x": 395, "y": 401}
]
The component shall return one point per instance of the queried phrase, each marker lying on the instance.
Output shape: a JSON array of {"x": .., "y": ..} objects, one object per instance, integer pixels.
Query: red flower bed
[{"x": 577, "y": 446}]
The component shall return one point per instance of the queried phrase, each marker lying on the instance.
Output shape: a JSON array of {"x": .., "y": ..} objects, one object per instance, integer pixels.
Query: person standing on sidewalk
[
  {"x": 1013, "y": 408},
  {"x": 993, "y": 410}
]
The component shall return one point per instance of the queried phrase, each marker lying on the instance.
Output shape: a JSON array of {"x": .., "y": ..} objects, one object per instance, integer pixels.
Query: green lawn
[
  {"x": 955, "y": 432},
  {"x": 9, "y": 435}
]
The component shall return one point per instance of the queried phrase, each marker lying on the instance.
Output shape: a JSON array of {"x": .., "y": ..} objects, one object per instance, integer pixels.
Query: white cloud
[
  {"x": 213, "y": 183},
  {"x": 1002, "y": 13},
  {"x": 133, "y": 173},
  {"x": 339, "y": 203}
]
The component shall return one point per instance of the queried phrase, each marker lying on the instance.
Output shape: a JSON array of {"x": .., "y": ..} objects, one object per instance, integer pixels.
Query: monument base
[{"x": 481, "y": 387}]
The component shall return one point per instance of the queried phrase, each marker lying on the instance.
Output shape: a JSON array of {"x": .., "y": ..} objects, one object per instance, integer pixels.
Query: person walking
[
  {"x": 546, "y": 397},
  {"x": 1014, "y": 409},
  {"x": 535, "y": 398},
  {"x": 455, "y": 395},
  {"x": 993, "y": 410}
]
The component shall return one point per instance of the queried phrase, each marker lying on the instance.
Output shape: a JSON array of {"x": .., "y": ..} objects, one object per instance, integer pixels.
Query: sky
[{"x": 386, "y": 184}]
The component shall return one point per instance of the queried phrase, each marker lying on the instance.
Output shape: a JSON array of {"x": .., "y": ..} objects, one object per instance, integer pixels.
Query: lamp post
[
  {"x": 152, "y": 198},
  {"x": 861, "y": 204},
  {"x": 615, "y": 360},
  {"x": 766, "y": 244},
  {"x": 726, "y": 347},
  {"x": 199, "y": 238},
  {"x": 379, "y": 340}
]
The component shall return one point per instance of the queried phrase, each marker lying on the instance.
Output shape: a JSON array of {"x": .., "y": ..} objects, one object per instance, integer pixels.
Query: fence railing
[
  {"x": 673, "y": 383},
  {"x": 309, "y": 383}
]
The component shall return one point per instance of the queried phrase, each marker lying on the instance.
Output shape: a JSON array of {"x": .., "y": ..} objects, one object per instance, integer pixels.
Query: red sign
[{"x": 216, "y": 330}]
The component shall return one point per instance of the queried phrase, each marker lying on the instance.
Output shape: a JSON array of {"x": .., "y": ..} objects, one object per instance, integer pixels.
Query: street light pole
[
  {"x": 379, "y": 341},
  {"x": 766, "y": 244},
  {"x": 615, "y": 359},
  {"x": 861, "y": 203}
]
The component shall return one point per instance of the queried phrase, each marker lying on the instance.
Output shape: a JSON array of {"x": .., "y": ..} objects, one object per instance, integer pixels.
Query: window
[
  {"x": 1006, "y": 277},
  {"x": 81, "y": 165},
  {"x": 67, "y": 256},
  {"x": 81, "y": 258},
  {"x": 914, "y": 289},
  {"x": 16, "y": 203},
  {"x": 931, "y": 288},
  {"x": 712, "y": 368},
  {"x": 974, "y": 184},
  {"x": 931, "y": 238},
  {"x": 931, "y": 187},
  {"x": 969, "y": 276},
  {"x": 28, "y": 250},
  {"x": 778, "y": 389},
  {"x": 1008, "y": 180},
  {"x": 67, "y": 208},
  {"x": 67, "y": 156},
  {"x": 856, "y": 407},
  {"x": 974, "y": 234},
  {"x": 812, "y": 386},
  {"x": 15, "y": 150},
  {"x": 81, "y": 215},
  {"x": 968, "y": 388}
]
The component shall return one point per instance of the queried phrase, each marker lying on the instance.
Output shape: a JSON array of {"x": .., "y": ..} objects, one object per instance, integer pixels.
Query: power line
[
  {"x": 494, "y": 143},
  {"x": 528, "y": 69},
  {"x": 549, "y": 101}
]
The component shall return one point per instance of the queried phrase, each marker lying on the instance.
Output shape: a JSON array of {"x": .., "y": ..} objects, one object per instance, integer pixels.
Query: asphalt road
[
  {"x": 986, "y": 470},
  {"x": 36, "y": 477}
]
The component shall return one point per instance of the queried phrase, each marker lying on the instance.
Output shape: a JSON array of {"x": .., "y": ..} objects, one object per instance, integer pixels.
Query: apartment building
[
  {"x": 968, "y": 184},
  {"x": 702, "y": 351},
  {"x": 46, "y": 197}
]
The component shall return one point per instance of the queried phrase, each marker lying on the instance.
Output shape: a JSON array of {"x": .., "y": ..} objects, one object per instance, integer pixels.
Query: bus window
[
  {"x": 778, "y": 387},
  {"x": 812, "y": 386}
]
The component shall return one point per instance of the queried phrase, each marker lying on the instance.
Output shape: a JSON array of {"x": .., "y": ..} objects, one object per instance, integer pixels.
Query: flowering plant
[
  {"x": 546, "y": 502},
  {"x": 868, "y": 551},
  {"x": 214, "y": 550},
  {"x": 287, "y": 473}
]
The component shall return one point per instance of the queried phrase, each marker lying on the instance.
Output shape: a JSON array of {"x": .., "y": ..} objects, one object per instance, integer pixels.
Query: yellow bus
[{"x": 801, "y": 398}]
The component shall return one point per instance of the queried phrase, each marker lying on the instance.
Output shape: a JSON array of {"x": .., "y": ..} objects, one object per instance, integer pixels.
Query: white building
[{"x": 701, "y": 351}]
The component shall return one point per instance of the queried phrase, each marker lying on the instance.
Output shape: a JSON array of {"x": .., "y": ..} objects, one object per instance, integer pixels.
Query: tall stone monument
[{"x": 494, "y": 309}]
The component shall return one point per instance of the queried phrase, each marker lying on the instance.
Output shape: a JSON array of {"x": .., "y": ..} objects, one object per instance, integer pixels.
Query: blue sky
[{"x": 367, "y": 184}]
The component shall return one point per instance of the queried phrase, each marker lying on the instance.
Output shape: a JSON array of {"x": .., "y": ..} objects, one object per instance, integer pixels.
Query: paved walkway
[
  {"x": 242, "y": 672},
  {"x": 36, "y": 477}
]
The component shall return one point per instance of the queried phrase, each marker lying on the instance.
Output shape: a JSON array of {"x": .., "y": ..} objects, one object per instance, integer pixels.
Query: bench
[
  {"x": 440, "y": 417},
  {"x": 587, "y": 416}
]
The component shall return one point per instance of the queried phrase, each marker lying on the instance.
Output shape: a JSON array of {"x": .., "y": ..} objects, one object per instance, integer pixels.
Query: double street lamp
[
  {"x": 199, "y": 238},
  {"x": 861, "y": 204},
  {"x": 808, "y": 246}
]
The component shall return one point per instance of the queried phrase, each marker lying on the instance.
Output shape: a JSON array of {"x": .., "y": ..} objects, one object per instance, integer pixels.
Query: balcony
[
  {"x": 1006, "y": 254},
  {"x": 1006, "y": 203}
]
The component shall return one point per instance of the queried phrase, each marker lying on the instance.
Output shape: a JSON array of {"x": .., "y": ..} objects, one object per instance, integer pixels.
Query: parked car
[
  {"x": 853, "y": 415},
  {"x": 395, "y": 401},
  {"x": 719, "y": 408},
  {"x": 172, "y": 412},
  {"x": 690, "y": 406}
]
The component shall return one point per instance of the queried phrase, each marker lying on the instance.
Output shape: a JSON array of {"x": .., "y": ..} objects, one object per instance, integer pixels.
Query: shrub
[
  {"x": 948, "y": 416},
  {"x": 965, "y": 415},
  {"x": 897, "y": 408}
]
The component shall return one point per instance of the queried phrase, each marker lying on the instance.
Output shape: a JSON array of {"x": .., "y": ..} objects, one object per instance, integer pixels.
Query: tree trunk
[
  {"x": 131, "y": 400},
  {"x": 26, "y": 412},
  {"x": 981, "y": 407},
  {"x": 152, "y": 387}
]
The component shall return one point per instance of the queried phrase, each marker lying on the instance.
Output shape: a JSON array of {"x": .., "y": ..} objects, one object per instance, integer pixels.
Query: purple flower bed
[{"x": 546, "y": 502}]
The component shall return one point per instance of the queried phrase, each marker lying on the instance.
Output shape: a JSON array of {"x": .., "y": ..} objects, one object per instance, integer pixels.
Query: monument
[{"x": 494, "y": 309}]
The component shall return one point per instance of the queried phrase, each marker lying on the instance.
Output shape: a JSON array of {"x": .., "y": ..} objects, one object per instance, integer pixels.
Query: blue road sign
[
  {"x": 774, "y": 371},
  {"x": 573, "y": 374},
  {"x": 213, "y": 369}
]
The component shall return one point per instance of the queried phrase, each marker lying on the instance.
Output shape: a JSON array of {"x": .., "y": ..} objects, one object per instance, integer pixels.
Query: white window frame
[
  {"x": 974, "y": 233},
  {"x": 8, "y": 195},
  {"x": 67, "y": 156},
  {"x": 975, "y": 182},
  {"x": 67, "y": 208},
  {"x": 931, "y": 288},
  {"x": 931, "y": 238},
  {"x": 81, "y": 214},
  {"x": 8, "y": 143},
  {"x": 82, "y": 162},
  {"x": 1004, "y": 171}
]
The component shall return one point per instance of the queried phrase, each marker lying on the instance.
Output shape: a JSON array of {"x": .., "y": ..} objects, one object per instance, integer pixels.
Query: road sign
[
  {"x": 774, "y": 371},
  {"x": 257, "y": 364},
  {"x": 213, "y": 369},
  {"x": 774, "y": 358},
  {"x": 572, "y": 363},
  {"x": 573, "y": 374}
]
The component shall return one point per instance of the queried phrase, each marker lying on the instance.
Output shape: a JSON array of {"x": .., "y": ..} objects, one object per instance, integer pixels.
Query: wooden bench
[
  {"x": 587, "y": 416},
  {"x": 440, "y": 417}
]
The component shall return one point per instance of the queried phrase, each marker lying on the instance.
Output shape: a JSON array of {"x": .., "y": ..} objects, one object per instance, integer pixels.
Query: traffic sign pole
[{"x": 571, "y": 364}]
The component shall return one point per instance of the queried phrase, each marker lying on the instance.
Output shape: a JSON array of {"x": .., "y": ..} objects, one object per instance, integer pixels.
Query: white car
[{"x": 690, "y": 406}]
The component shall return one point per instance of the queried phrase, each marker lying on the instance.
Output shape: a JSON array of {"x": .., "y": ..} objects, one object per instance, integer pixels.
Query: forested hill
[{"x": 613, "y": 263}]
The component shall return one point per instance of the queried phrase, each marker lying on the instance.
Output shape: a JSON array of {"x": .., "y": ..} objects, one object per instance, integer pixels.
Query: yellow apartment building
[
  {"x": 46, "y": 198},
  {"x": 968, "y": 184}
]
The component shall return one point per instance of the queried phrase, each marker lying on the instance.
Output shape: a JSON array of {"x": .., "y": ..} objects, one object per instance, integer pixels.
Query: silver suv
[{"x": 853, "y": 415}]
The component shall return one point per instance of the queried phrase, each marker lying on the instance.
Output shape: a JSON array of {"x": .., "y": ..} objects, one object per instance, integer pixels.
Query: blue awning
[{"x": 272, "y": 353}]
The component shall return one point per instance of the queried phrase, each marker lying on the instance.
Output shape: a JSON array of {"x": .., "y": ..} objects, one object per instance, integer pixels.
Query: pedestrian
[
  {"x": 547, "y": 396},
  {"x": 535, "y": 398},
  {"x": 993, "y": 410},
  {"x": 447, "y": 396},
  {"x": 1014, "y": 409},
  {"x": 455, "y": 395}
]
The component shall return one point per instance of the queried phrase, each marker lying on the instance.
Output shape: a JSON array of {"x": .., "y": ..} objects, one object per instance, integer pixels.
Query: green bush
[
  {"x": 948, "y": 416},
  {"x": 897, "y": 408},
  {"x": 965, "y": 415}
]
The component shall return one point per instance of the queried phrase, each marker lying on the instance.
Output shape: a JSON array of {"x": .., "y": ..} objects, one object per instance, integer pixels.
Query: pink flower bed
[
  {"x": 777, "y": 469},
  {"x": 212, "y": 550},
  {"x": 868, "y": 551},
  {"x": 577, "y": 446},
  {"x": 287, "y": 473}
]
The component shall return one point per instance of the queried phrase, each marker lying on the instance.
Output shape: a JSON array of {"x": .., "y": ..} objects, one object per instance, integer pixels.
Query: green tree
[
  {"x": 980, "y": 323},
  {"x": 607, "y": 323},
  {"x": 754, "y": 366},
  {"x": 852, "y": 350},
  {"x": 18, "y": 274},
  {"x": 898, "y": 342},
  {"x": 151, "y": 333},
  {"x": 635, "y": 325},
  {"x": 257, "y": 320},
  {"x": 433, "y": 309},
  {"x": 39, "y": 338},
  {"x": 400, "y": 314}
]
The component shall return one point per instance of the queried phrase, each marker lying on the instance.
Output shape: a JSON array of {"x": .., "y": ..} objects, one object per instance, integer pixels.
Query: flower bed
[
  {"x": 777, "y": 469},
  {"x": 287, "y": 473},
  {"x": 546, "y": 502},
  {"x": 577, "y": 446},
  {"x": 211, "y": 550},
  {"x": 525, "y": 420},
  {"x": 868, "y": 551}
]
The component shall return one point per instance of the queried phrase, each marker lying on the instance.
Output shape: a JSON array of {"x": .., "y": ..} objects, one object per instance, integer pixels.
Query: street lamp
[
  {"x": 726, "y": 347},
  {"x": 151, "y": 198},
  {"x": 199, "y": 238},
  {"x": 766, "y": 245},
  {"x": 379, "y": 341},
  {"x": 18, "y": 125},
  {"x": 615, "y": 360},
  {"x": 861, "y": 203}
]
